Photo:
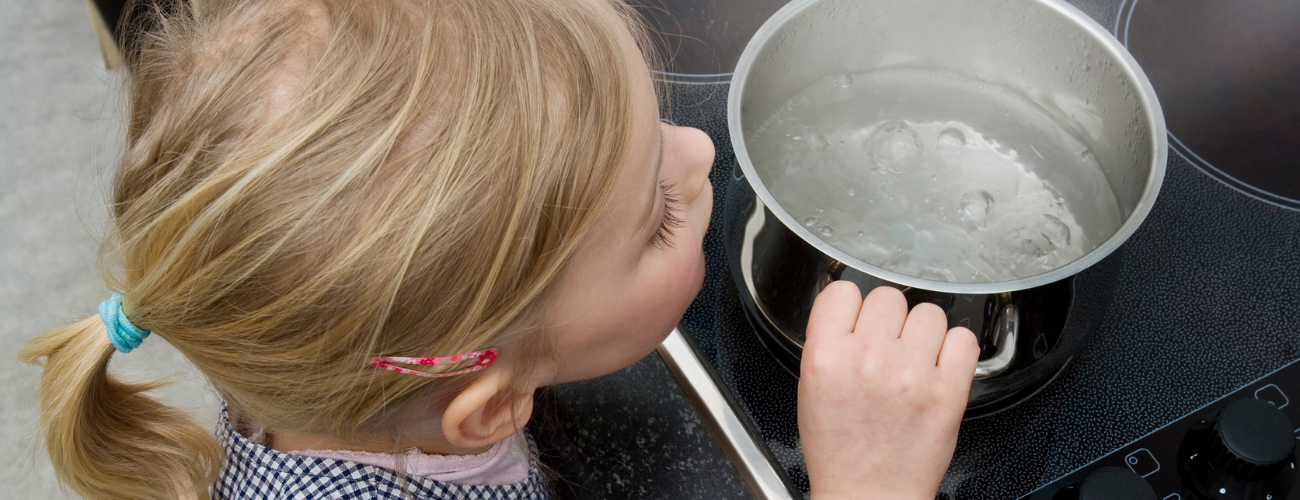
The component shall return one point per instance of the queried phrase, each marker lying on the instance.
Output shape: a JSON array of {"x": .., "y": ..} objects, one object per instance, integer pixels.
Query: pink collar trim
[{"x": 507, "y": 462}]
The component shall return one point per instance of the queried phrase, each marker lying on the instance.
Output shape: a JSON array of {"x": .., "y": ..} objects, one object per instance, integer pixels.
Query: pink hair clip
[{"x": 482, "y": 359}]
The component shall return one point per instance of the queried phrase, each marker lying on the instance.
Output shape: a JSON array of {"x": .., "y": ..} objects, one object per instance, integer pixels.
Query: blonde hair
[{"x": 306, "y": 186}]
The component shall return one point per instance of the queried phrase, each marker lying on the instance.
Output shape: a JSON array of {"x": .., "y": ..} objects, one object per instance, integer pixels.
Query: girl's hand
[{"x": 881, "y": 394}]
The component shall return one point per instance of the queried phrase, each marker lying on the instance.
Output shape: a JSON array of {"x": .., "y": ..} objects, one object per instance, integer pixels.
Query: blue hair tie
[{"x": 124, "y": 335}]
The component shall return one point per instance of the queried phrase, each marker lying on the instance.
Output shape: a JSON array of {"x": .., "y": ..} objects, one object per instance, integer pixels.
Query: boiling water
[{"x": 935, "y": 175}]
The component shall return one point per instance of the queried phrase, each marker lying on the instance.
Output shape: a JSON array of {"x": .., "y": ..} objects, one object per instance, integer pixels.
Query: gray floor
[{"x": 59, "y": 137}]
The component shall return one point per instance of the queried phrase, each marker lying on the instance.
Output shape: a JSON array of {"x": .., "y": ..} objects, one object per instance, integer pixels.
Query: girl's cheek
[
  {"x": 705, "y": 212},
  {"x": 692, "y": 274}
]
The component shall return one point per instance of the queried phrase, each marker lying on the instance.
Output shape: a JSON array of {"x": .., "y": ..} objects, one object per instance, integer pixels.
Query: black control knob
[
  {"x": 1254, "y": 439},
  {"x": 1246, "y": 452},
  {"x": 1109, "y": 483}
]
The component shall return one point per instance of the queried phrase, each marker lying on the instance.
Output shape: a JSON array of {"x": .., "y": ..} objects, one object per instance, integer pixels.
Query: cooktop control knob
[
  {"x": 1255, "y": 439},
  {"x": 1109, "y": 483},
  {"x": 1247, "y": 452}
]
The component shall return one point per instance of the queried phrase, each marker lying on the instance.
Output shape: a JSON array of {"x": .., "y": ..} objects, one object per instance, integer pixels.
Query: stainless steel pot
[{"x": 1047, "y": 50}]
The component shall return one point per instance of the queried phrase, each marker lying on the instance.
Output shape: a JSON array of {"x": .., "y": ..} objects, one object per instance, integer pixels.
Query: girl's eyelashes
[{"x": 672, "y": 218}]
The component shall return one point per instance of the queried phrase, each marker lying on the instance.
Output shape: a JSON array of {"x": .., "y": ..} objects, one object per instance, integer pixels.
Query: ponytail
[{"x": 108, "y": 439}]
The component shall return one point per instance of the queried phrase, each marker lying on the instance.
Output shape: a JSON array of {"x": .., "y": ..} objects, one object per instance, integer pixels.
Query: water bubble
[
  {"x": 821, "y": 210},
  {"x": 975, "y": 207},
  {"x": 844, "y": 80},
  {"x": 1055, "y": 231},
  {"x": 895, "y": 147},
  {"x": 861, "y": 234},
  {"x": 1086, "y": 155},
  {"x": 810, "y": 222},
  {"x": 826, "y": 231},
  {"x": 817, "y": 142},
  {"x": 950, "y": 140},
  {"x": 1039, "y": 236},
  {"x": 851, "y": 192},
  {"x": 1025, "y": 241}
]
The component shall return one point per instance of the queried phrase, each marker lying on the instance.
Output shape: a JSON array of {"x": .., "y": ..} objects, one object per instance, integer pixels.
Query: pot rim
[{"x": 1129, "y": 67}]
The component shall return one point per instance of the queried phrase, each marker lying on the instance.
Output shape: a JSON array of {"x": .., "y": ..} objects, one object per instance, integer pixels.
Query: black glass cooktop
[
  {"x": 702, "y": 40},
  {"x": 1207, "y": 294},
  {"x": 1228, "y": 77}
]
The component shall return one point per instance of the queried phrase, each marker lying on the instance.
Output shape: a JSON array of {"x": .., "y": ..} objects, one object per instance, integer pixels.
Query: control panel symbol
[
  {"x": 1142, "y": 462},
  {"x": 1273, "y": 394},
  {"x": 1040, "y": 346}
]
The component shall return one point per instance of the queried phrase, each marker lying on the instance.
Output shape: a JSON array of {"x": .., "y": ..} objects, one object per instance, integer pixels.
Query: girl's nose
[{"x": 696, "y": 156}]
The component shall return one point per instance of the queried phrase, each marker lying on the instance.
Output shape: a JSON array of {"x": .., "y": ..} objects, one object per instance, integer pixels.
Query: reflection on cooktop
[
  {"x": 1226, "y": 74},
  {"x": 702, "y": 39}
]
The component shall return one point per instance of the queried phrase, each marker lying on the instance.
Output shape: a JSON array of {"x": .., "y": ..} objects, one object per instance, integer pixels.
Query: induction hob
[{"x": 1205, "y": 308}]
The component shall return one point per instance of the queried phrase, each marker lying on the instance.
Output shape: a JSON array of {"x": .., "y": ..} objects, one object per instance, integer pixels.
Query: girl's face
[{"x": 642, "y": 264}]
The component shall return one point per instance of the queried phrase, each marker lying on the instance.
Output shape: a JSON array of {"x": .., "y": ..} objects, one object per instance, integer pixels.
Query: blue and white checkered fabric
[{"x": 254, "y": 472}]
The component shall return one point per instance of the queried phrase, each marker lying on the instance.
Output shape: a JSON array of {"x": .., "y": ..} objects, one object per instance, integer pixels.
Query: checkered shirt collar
[{"x": 255, "y": 472}]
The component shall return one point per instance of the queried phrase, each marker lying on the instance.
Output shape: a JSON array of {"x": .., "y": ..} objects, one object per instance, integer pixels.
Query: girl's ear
[{"x": 486, "y": 412}]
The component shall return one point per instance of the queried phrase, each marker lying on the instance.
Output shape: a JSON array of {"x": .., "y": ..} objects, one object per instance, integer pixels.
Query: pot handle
[
  {"x": 1006, "y": 331},
  {"x": 832, "y": 272}
]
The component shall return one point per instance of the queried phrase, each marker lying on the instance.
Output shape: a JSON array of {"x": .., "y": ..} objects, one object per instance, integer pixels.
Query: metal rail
[{"x": 765, "y": 482}]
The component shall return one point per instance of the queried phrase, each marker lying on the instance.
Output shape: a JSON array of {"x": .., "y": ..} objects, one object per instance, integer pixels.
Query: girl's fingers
[
  {"x": 833, "y": 315},
  {"x": 959, "y": 355},
  {"x": 924, "y": 333},
  {"x": 883, "y": 314}
]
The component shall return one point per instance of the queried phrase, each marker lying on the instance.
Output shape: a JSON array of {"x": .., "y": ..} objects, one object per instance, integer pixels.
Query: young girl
[{"x": 376, "y": 227}]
